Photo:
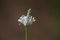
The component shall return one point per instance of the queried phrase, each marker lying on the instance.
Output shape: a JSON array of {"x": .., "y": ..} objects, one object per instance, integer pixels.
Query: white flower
[{"x": 26, "y": 19}]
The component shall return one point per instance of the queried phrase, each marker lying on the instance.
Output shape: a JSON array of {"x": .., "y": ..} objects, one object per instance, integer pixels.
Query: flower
[{"x": 28, "y": 19}]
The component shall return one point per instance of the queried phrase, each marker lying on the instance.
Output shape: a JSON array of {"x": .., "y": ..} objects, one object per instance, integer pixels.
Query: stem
[{"x": 26, "y": 32}]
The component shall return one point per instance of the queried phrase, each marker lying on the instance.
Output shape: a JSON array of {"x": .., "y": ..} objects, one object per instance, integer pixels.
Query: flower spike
[{"x": 28, "y": 19}]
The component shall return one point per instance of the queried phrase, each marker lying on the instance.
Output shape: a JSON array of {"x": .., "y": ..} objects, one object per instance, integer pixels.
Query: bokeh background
[{"x": 46, "y": 13}]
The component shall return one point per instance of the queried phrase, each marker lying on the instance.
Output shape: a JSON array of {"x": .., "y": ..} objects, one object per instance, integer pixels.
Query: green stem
[{"x": 26, "y": 32}]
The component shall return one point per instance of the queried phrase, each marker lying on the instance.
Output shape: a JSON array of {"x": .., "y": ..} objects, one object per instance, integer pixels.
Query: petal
[{"x": 19, "y": 20}]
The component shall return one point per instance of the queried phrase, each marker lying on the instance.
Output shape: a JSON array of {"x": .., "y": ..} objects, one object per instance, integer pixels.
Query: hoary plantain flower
[{"x": 26, "y": 21}]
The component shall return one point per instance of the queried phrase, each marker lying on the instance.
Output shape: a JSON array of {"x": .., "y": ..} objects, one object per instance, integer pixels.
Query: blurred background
[{"x": 46, "y": 13}]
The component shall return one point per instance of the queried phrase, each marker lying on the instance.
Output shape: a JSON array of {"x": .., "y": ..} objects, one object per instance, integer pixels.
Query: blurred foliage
[
  {"x": 57, "y": 13},
  {"x": 58, "y": 9},
  {"x": 55, "y": 10}
]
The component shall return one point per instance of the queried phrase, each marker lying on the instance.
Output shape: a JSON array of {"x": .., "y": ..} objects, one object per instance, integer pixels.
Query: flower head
[{"x": 28, "y": 19}]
